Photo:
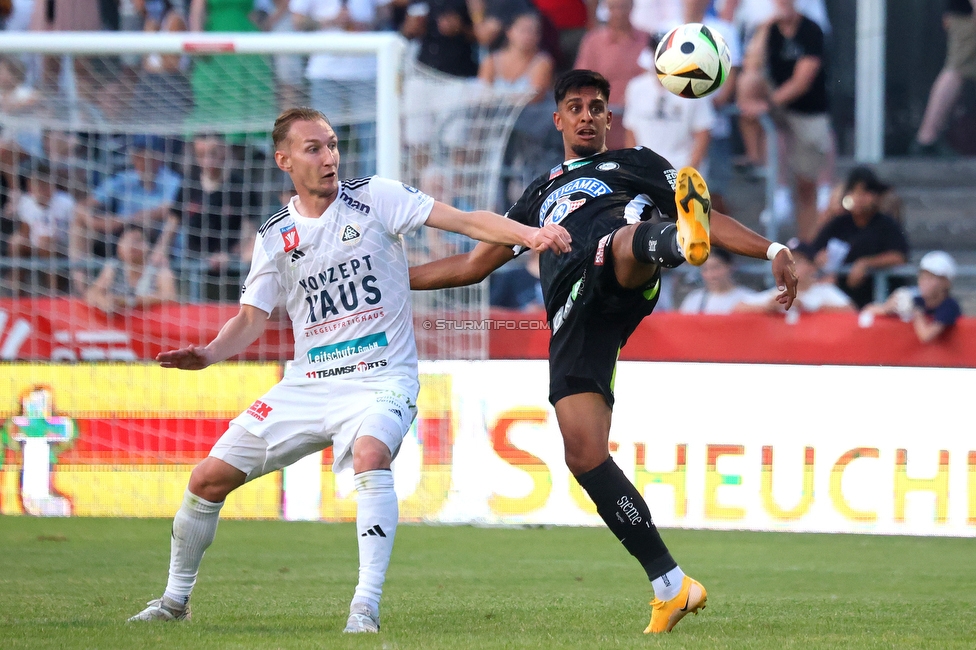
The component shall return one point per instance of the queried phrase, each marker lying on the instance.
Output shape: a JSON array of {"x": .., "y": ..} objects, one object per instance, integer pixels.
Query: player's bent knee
[
  {"x": 584, "y": 458},
  {"x": 370, "y": 453},
  {"x": 377, "y": 442},
  {"x": 213, "y": 479}
]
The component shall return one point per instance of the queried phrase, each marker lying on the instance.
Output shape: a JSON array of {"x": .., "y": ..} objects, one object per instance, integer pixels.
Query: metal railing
[{"x": 882, "y": 277}]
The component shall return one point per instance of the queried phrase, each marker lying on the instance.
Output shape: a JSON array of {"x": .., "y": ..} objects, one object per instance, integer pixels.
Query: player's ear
[
  {"x": 283, "y": 161},
  {"x": 557, "y": 120},
  {"x": 609, "y": 118}
]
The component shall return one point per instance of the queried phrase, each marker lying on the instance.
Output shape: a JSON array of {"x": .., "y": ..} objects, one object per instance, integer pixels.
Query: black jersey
[{"x": 590, "y": 197}]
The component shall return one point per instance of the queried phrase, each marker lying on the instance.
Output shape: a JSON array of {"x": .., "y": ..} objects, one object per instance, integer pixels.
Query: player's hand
[
  {"x": 784, "y": 272},
  {"x": 552, "y": 237},
  {"x": 193, "y": 357}
]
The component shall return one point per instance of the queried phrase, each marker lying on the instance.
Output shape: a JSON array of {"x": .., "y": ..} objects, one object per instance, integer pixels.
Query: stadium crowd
[{"x": 69, "y": 197}]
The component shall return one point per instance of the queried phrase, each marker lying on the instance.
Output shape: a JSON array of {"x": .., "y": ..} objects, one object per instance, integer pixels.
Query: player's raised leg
[
  {"x": 377, "y": 514},
  {"x": 638, "y": 249},
  {"x": 194, "y": 529},
  {"x": 584, "y": 420}
]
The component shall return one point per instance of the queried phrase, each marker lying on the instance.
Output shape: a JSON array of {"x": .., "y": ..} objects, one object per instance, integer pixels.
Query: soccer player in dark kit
[{"x": 629, "y": 214}]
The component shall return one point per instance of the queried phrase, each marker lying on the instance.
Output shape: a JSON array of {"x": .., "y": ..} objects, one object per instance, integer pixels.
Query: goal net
[{"x": 171, "y": 133}]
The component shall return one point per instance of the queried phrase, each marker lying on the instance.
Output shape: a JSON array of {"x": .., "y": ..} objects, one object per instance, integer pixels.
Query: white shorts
[{"x": 296, "y": 418}]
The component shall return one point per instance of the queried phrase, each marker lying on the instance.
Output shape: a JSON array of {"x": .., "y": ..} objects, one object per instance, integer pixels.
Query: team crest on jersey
[
  {"x": 289, "y": 235},
  {"x": 351, "y": 234},
  {"x": 563, "y": 207},
  {"x": 607, "y": 166},
  {"x": 588, "y": 186}
]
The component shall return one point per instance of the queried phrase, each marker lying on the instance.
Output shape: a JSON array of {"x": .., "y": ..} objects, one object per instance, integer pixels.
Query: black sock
[
  {"x": 657, "y": 243},
  {"x": 627, "y": 516}
]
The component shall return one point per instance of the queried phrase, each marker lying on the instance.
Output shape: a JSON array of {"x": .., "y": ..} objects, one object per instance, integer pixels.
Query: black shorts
[{"x": 594, "y": 324}]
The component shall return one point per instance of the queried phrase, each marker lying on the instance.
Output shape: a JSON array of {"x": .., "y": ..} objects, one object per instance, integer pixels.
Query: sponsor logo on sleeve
[{"x": 607, "y": 166}]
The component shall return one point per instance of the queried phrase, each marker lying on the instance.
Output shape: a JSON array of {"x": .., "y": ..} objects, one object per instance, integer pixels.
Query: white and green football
[{"x": 692, "y": 60}]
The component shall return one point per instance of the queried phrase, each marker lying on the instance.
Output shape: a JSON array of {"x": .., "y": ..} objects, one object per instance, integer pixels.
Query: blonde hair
[{"x": 282, "y": 125}]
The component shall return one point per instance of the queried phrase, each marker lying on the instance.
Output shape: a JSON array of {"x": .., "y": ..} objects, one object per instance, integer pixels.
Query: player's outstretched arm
[
  {"x": 736, "y": 238},
  {"x": 460, "y": 270},
  {"x": 236, "y": 334},
  {"x": 495, "y": 229}
]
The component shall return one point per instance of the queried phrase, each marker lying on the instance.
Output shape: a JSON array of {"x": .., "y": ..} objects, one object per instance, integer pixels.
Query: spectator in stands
[
  {"x": 163, "y": 89},
  {"x": 785, "y": 76},
  {"x": 230, "y": 89},
  {"x": 814, "y": 291},
  {"x": 721, "y": 293},
  {"x": 342, "y": 84},
  {"x": 959, "y": 22},
  {"x": 128, "y": 280},
  {"x": 657, "y": 17},
  {"x": 43, "y": 217},
  {"x": 676, "y": 128},
  {"x": 749, "y": 15},
  {"x": 612, "y": 50},
  {"x": 889, "y": 202},
  {"x": 521, "y": 66},
  {"x": 490, "y": 17},
  {"x": 446, "y": 35},
  {"x": 19, "y": 18},
  {"x": 17, "y": 100},
  {"x": 723, "y": 101},
  {"x": 141, "y": 195},
  {"x": 571, "y": 18},
  {"x": 277, "y": 18},
  {"x": 518, "y": 287},
  {"x": 65, "y": 16},
  {"x": 930, "y": 307},
  {"x": 862, "y": 238},
  {"x": 211, "y": 208}
]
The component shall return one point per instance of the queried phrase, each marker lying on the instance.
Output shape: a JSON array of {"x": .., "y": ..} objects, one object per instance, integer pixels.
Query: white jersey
[{"x": 344, "y": 280}]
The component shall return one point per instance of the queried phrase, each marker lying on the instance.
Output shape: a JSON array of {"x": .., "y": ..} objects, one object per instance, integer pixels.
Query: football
[{"x": 692, "y": 60}]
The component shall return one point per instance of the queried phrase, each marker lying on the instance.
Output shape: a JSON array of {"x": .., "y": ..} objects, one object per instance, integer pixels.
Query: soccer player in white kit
[{"x": 334, "y": 257}]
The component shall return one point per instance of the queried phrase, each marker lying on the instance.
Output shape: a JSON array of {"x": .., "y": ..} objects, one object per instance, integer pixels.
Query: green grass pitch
[{"x": 71, "y": 583}]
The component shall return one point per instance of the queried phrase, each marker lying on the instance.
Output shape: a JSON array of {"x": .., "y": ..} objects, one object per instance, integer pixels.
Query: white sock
[
  {"x": 194, "y": 528},
  {"x": 669, "y": 585},
  {"x": 377, "y": 512}
]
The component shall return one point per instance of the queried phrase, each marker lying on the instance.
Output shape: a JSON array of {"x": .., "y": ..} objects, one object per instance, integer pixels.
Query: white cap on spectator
[{"x": 938, "y": 263}]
